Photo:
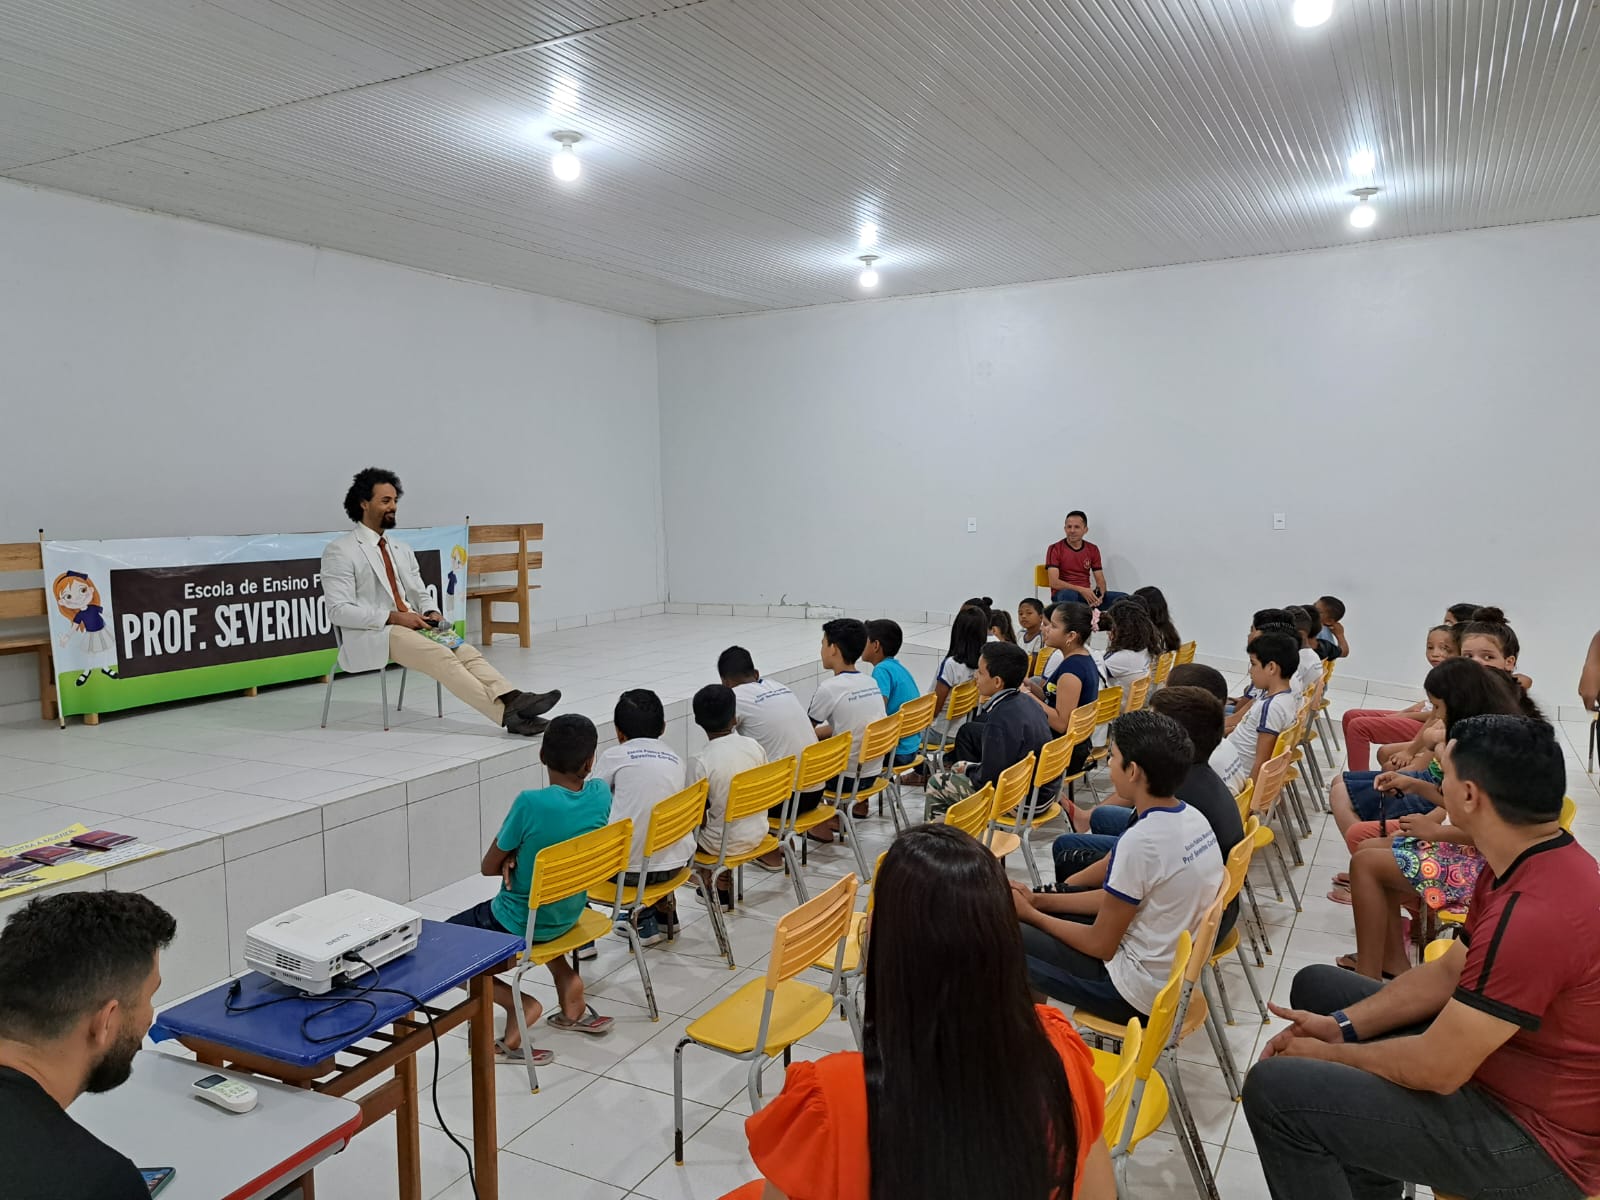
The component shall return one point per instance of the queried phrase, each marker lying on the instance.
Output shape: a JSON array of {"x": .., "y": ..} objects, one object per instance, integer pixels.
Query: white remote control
[{"x": 226, "y": 1093}]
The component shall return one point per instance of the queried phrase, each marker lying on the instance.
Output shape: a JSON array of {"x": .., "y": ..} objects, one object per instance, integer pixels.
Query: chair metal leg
[
  {"x": 631, "y": 933},
  {"x": 1287, "y": 882},
  {"x": 400, "y": 704},
  {"x": 1025, "y": 831},
  {"x": 438, "y": 698},
  {"x": 522, "y": 1028},
  {"x": 1219, "y": 1042},
  {"x": 1188, "y": 1135},
  {"x": 1250, "y": 978},
  {"x": 1272, "y": 876},
  {"x": 1222, "y": 993},
  {"x": 752, "y": 1084},
  {"x": 847, "y": 823},
  {"x": 1260, "y": 925},
  {"x": 1315, "y": 768},
  {"x": 847, "y": 1003},
  {"x": 327, "y": 695},
  {"x": 383, "y": 694},
  {"x": 1287, "y": 834},
  {"x": 796, "y": 877},
  {"x": 677, "y": 1101},
  {"x": 708, "y": 896}
]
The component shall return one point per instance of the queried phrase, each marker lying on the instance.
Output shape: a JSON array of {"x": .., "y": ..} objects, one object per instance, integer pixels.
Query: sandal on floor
[
  {"x": 591, "y": 1022},
  {"x": 517, "y": 1058},
  {"x": 861, "y": 810},
  {"x": 1348, "y": 963},
  {"x": 1342, "y": 879},
  {"x": 826, "y": 838},
  {"x": 1340, "y": 895}
]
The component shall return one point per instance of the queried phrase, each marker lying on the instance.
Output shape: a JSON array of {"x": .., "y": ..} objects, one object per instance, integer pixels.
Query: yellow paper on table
[{"x": 38, "y": 875}]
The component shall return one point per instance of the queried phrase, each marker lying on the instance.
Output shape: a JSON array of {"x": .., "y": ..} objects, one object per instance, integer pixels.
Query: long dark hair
[
  {"x": 1467, "y": 688},
  {"x": 1000, "y": 624},
  {"x": 956, "y": 1060},
  {"x": 1161, "y": 617},
  {"x": 1132, "y": 629},
  {"x": 967, "y": 636}
]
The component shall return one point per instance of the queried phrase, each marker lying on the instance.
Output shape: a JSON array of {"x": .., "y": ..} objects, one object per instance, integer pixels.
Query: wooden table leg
[
  {"x": 485, "y": 1124},
  {"x": 407, "y": 1138}
]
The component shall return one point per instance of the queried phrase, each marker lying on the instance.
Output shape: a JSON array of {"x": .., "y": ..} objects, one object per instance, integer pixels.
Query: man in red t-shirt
[
  {"x": 1478, "y": 1073},
  {"x": 1074, "y": 566}
]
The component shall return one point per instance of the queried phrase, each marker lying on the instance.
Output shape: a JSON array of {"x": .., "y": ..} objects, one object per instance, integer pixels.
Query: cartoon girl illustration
[
  {"x": 78, "y": 600},
  {"x": 455, "y": 579}
]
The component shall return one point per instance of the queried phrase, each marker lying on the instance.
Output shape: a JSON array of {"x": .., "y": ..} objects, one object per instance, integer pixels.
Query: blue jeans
[
  {"x": 1106, "y": 601},
  {"x": 1072, "y": 977},
  {"x": 1073, "y": 852},
  {"x": 1370, "y": 803}
]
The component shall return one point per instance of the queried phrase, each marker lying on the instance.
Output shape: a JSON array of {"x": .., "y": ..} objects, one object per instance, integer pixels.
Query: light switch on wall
[
  {"x": 972, "y": 524},
  {"x": 1280, "y": 520}
]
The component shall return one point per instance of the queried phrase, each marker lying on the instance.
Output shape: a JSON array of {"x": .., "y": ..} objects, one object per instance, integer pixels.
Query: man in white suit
[{"x": 375, "y": 595}]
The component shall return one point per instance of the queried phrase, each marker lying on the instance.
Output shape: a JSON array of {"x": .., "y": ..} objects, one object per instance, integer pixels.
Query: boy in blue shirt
[
  {"x": 573, "y": 804},
  {"x": 884, "y": 639}
]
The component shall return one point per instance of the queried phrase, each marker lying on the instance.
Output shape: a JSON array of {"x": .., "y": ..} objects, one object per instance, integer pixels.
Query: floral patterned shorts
[{"x": 1445, "y": 873}]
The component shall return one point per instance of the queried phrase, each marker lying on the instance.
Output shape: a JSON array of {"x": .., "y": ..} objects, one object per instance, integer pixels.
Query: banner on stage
[
  {"x": 146, "y": 620},
  {"x": 18, "y": 875}
]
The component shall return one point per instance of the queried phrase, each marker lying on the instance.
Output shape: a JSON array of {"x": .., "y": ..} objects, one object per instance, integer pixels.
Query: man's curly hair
[{"x": 362, "y": 487}]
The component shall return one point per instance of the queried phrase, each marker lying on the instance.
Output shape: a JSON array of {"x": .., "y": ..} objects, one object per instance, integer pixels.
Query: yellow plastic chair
[
  {"x": 916, "y": 718},
  {"x": 818, "y": 764},
  {"x": 962, "y": 703},
  {"x": 971, "y": 815},
  {"x": 1080, "y": 727},
  {"x": 1163, "y": 668},
  {"x": 585, "y": 863},
  {"x": 751, "y": 793},
  {"x": 1010, "y": 790},
  {"x": 1289, "y": 743},
  {"x": 1152, "y": 1100},
  {"x": 673, "y": 819},
  {"x": 1329, "y": 726},
  {"x": 1138, "y": 693},
  {"x": 1035, "y": 810},
  {"x": 1041, "y": 577},
  {"x": 1041, "y": 660},
  {"x": 878, "y": 741},
  {"x": 1108, "y": 707},
  {"x": 1265, "y": 798},
  {"x": 853, "y": 970},
  {"x": 1231, "y": 943},
  {"x": 768, "y": 1016},
  {"x": 1116, "y": 1071},
  {"x": 1194, "y": 1011},
  {"x": 1185, "y": 654},
  {"x": 1569, "y": 813},
  {"x": 1243, "y": 799}
]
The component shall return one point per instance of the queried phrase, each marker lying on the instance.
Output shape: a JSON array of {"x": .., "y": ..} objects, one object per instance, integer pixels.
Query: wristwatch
[{"x": 1343, "y": 1022}]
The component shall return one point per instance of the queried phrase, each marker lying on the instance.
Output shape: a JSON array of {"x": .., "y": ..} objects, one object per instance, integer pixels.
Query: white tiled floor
[{"x": 602, "y": 1125}]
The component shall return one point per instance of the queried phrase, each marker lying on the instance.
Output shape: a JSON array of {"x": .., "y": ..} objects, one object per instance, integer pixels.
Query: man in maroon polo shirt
[
  {"x": 1074, "y": 566},
  {"x": 1478, "y": 1073}
]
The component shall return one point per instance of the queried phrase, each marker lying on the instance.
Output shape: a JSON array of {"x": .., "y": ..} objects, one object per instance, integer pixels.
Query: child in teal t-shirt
[
  {"x": 573, "y": 804},
  {"x": 884, "y": 640}
]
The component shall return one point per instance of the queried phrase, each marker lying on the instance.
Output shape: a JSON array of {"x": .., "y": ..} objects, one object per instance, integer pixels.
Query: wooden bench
[
  {"x": 516, "y": 563},
  {"x": 28, "y": 604}
]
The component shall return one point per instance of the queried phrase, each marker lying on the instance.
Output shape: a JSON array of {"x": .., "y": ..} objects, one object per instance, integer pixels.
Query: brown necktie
[{"x": 394, "y": 586}]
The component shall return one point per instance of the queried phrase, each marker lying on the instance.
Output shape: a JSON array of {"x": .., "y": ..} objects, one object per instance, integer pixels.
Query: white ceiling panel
[{"x": 734, "y": 147}]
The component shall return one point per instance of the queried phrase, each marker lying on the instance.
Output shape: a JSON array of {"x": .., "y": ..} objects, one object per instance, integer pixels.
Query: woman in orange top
[{"x": 965, "y": 1088}]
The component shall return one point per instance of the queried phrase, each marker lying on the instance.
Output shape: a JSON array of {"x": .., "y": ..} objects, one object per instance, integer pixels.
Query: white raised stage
[{"x": 259, "y": 809}]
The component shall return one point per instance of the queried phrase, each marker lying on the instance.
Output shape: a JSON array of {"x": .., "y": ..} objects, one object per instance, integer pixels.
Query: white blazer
[{"x": 356, "y": 589}]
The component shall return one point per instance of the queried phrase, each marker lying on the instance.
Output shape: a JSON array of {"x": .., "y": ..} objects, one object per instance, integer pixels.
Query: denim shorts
[
  {"x": 1371, "y": 804},
  {"x": 481, "y": 916}
]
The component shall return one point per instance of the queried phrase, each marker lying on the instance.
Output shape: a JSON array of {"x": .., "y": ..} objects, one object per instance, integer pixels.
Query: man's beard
[
  {"x": 113, "y": 1070},
  {"x": 387, "y": 520}
]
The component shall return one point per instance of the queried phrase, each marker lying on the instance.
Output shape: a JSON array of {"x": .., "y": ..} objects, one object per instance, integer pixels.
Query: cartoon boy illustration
[{"x": 78, "y": 600}]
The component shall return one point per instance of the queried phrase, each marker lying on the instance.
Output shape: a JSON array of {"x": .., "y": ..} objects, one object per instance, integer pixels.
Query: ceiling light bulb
[
  {"x": 565, "y": 164},
  {"x": 1363, "y": 162},
  {"x": 1363, "y": 216},
  {"x": 869, "y": 275},
  {"x": 1308, "y": 13}
]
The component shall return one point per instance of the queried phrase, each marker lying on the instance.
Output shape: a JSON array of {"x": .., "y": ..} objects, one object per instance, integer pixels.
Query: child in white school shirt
[
  {"x": 642, "y": 771},
  {"x": 846, "y": 701},
  {"x": 727, "y": 753}
]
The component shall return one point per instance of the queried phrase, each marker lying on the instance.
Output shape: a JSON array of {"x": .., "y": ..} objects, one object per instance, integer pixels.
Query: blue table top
[{"x": 446, "y": 956}]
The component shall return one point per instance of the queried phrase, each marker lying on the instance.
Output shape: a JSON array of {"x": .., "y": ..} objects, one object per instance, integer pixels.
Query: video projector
[{"x": 306, "y": 947}]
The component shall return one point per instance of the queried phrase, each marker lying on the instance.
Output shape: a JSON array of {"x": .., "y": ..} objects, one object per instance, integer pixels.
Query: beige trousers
[{"x": 465, "y": 673}]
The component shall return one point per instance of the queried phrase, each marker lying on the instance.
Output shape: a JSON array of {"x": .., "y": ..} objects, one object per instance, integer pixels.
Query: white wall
[
  {"x": 1424, "y": 412},
  {"x": 160, "y": 376}
]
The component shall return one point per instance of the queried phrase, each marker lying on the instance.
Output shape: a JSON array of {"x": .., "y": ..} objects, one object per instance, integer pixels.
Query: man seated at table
[
  {"x": 77, "y": 974},
  {"x": 1070, "y": 563},
  {"x": 1477, "y": 1074},
  {"x": 374, "y": 594}
]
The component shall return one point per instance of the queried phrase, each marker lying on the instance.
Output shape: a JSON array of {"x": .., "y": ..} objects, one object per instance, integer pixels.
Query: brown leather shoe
[{"x": 535, "y": 704}]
